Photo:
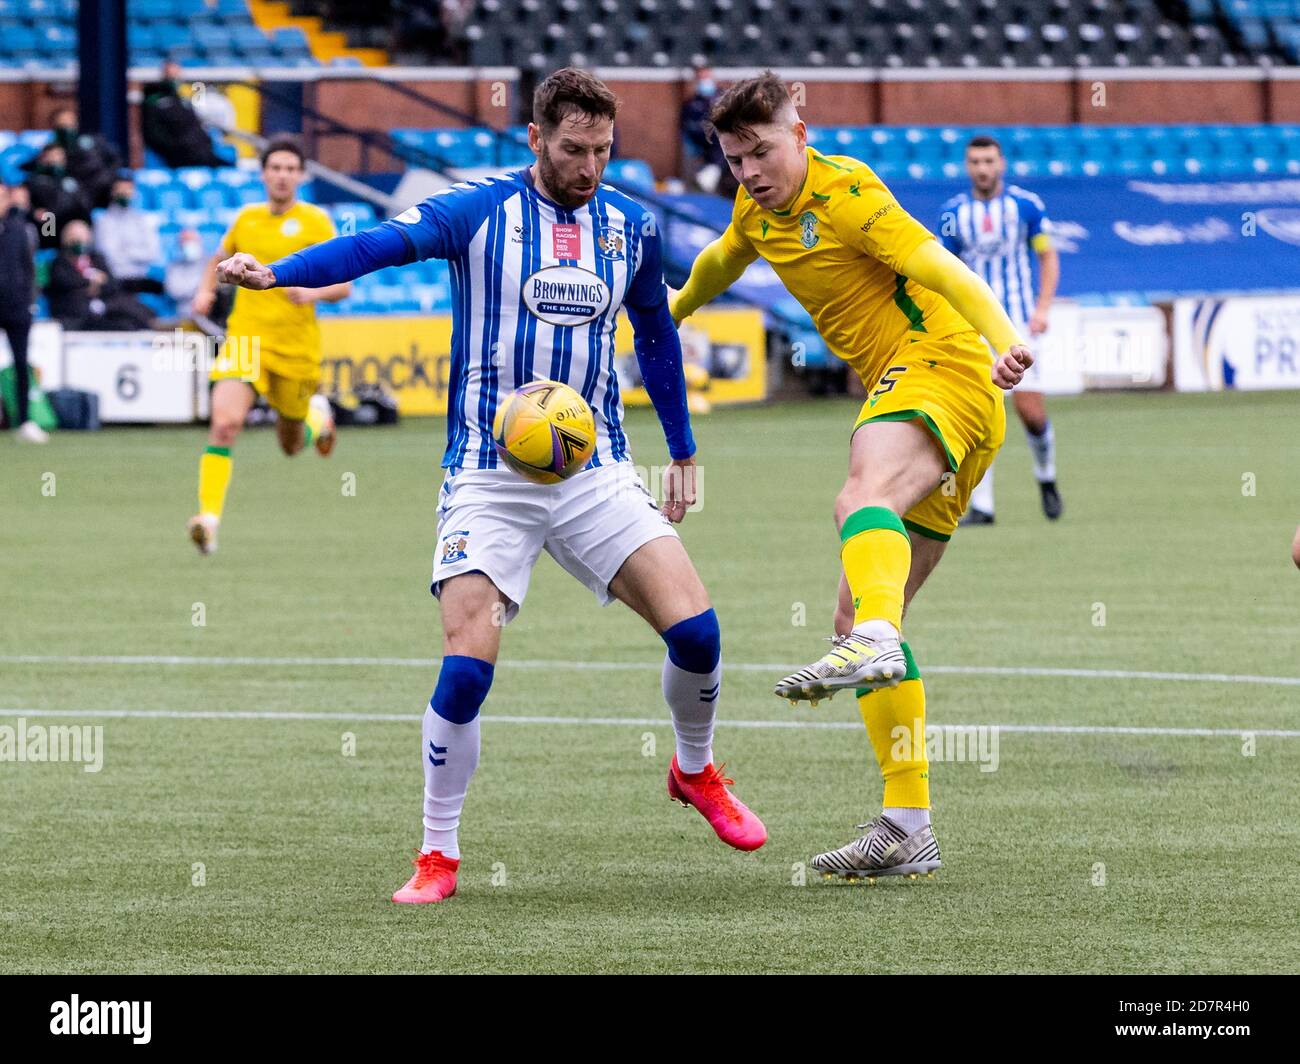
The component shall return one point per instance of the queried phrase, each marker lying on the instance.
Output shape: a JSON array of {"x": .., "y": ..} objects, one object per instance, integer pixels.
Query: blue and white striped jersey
[
  {"x": 536, "y": 290},
  {"x": 993, "y": 238}
]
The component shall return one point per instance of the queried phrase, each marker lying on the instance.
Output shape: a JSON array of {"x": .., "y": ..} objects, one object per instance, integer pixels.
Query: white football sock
[
  {"x": 878, "y": 629},
  {"x": 693, "y": 699},
  {"x": 981, "y": 498},
  {"x": 1043, "y": 448},
  {"x": 908, "y": 819},
  {"x": 455, "y": 748}
]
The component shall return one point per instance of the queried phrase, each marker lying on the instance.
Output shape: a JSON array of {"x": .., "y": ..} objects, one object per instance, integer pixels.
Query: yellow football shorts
[
  {"x": 946, "y": 384},
  {"x": 290, "y": 394}
]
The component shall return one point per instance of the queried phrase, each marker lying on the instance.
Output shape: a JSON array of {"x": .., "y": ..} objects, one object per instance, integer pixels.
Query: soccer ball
[{"x": 545, "y": 431}]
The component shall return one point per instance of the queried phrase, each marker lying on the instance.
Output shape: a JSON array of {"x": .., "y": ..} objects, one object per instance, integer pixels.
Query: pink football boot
[
  {"x": 434, "y": 879},
  {"x": 726, "y": 814}
]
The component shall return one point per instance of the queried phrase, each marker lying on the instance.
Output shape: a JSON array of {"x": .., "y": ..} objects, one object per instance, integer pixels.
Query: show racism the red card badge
[{"x": 567, "y": 240}]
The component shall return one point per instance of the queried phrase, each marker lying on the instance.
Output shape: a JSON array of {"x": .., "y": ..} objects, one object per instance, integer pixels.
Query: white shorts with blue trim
[{"x": 495, "y": 522}]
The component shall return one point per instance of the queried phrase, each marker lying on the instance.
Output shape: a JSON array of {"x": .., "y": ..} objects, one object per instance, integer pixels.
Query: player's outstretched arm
[
  {"x": 334, "y": 262},
  {"x": 715, "y": 269},
  {"x": 939, "y": 270}
]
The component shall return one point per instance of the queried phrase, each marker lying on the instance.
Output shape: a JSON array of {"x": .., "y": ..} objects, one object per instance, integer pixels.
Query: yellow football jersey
[
  {"x": 287, "y": 332},
  {"x": 838, "y": 249}
]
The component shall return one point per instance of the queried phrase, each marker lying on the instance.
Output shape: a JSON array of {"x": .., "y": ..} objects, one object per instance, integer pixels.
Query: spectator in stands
[
  {"x": 17, "y": 293},
  {"x": 82, "y": 291},
  {"x": 128, "y": 237},
  {"x": 57, "y": 197},
  {"x": 185, "y": 273},
  {"x": 91, "y": 159},
  {"x": 705, "y": 167},
  {"x": 170, "y": 126}
]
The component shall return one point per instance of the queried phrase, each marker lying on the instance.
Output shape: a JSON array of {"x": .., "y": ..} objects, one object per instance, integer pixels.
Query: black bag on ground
[{"x": 75, "y": 409}]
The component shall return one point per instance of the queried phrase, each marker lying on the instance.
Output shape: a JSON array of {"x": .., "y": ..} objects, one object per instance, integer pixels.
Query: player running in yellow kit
[
  {"x": 272, "y": 340},
  {"x": 907, "y": 315}
]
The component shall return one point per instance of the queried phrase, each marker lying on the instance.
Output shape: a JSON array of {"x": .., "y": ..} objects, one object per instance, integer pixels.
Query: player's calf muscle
[{"x": 290, "y": 435}]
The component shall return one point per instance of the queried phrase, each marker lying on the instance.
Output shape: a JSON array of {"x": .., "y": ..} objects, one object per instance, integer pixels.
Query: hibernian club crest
[{"x": 808, "y": 229}]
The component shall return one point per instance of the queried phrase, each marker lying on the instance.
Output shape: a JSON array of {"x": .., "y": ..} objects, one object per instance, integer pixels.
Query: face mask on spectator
[
  {"x": 707, "y": 87},
  {"x": 190, "y": 251},
  {"x": 122, "y": 201},
  {"x": 78, "y": 247}
]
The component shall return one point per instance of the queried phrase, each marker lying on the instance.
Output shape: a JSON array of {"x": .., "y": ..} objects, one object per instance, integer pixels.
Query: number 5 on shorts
[{"x": 886, "y": 383}]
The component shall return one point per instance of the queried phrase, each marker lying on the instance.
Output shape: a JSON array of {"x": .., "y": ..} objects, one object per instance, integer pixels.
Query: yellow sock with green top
[
  {"x": 214, "y": 478},
  {"x": 877, "y": 555}
]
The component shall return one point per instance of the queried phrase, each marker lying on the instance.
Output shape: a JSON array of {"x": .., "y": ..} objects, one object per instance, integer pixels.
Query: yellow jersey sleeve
[
  {"x": 866, "y": 216},
  {"x": 715, "y": 269},
  {"x": 320, "y": 227}
]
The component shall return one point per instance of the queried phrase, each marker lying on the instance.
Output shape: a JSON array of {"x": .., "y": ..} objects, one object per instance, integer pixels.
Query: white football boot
[
  {"x": 30, "y": 432},
  {"x": 203, "y": 532},
  {"x": 885, "y": 850},
  {"x": 328, "y": 433},
  {"x": 870, "y": 656}
]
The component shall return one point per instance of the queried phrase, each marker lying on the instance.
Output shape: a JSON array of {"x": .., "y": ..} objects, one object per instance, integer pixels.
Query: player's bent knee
[
  {"x": 695, "y": 644},
  {"x": 463, "y": 684},
  {"x": 223, "y": 432}
]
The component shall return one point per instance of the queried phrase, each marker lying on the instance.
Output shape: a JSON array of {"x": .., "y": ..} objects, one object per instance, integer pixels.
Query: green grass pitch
[{"x": 1093, "y": 851}]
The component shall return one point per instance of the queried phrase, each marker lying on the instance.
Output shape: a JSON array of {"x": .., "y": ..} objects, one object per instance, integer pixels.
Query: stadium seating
[
  {"x": 207, "y": 32},
  {"x": 923, "y": 152},
  {"x": 534, "y": 34},
  {"x": 1266, "y": 27}
]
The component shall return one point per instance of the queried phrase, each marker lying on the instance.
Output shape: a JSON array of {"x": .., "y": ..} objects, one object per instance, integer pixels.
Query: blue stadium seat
[
  {"x": 170, "y": 36},
  {"x": 358, "y": 215},
  {"x": 211, "y": 234},
  {"x": 290, "y": 40},
  {"x": 234, "y": 177},
  {"x": 214, "y": 197},
  {"x": 631, "y": 173}
]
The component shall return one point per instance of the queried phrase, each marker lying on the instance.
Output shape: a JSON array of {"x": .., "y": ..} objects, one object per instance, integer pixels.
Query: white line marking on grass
[
  {"x": 624, "y": 666},
  {"x": 639, "y": 722}
]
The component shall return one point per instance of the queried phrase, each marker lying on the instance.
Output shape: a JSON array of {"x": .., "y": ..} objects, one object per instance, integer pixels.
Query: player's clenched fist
[
  {"x": 679, "y": 489},
  {"x": 244, "y": 270},
  {"x": 1008, "y": 369}
]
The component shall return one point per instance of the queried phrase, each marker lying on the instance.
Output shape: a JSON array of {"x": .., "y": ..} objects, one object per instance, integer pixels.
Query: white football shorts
[{"x": 495, "y": 522}]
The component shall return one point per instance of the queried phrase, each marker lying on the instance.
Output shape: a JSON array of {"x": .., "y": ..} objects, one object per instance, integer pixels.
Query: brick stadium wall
[
  {"x": 1139, "y": 102},
  {"x": 963, "y": 103}
]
